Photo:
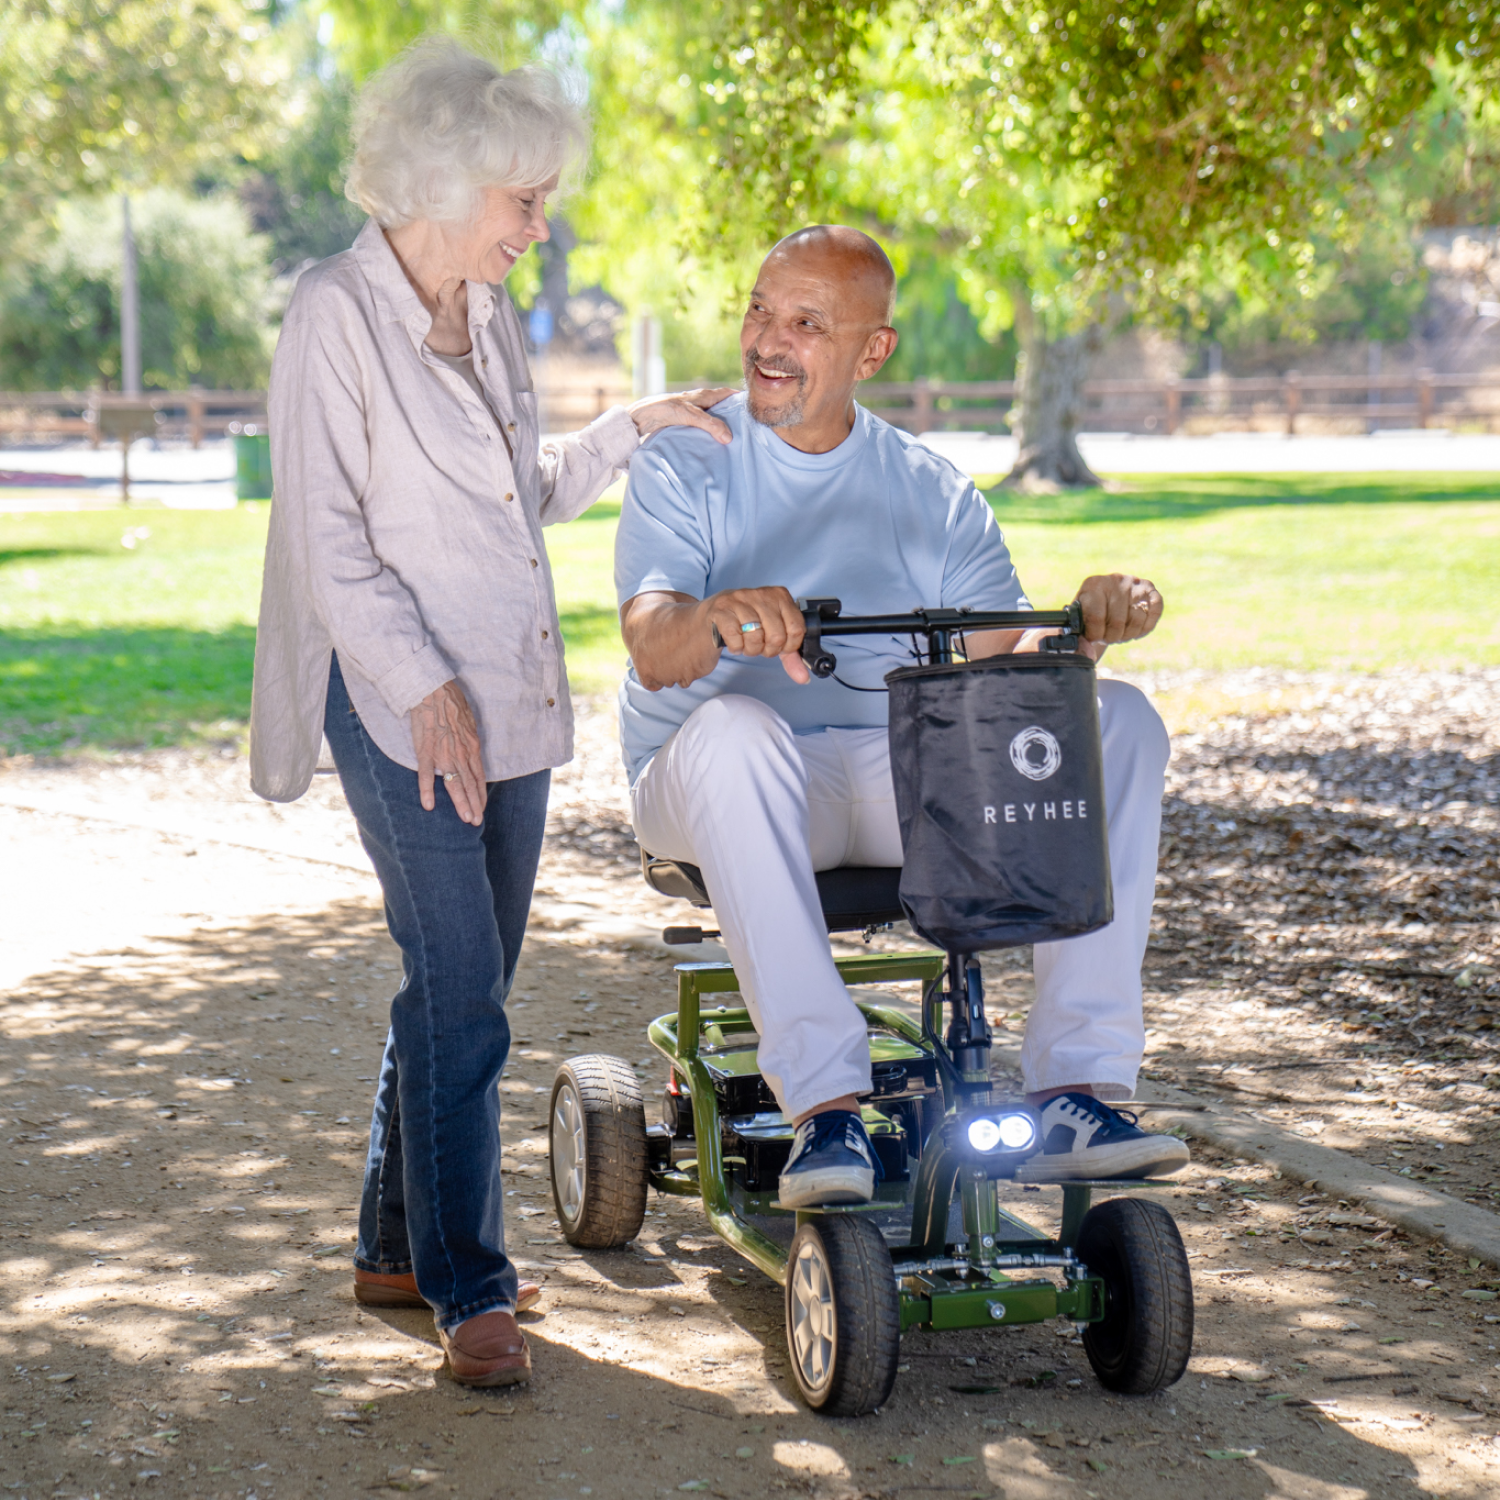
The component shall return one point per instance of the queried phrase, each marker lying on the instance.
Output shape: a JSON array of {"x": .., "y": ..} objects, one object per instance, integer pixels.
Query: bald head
[
  {"x": 816, "y": 325},
  {"x": 852, "y": 262}
]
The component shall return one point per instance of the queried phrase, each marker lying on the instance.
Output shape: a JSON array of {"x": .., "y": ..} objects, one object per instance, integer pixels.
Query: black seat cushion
[{"x": 852, "y": 897}]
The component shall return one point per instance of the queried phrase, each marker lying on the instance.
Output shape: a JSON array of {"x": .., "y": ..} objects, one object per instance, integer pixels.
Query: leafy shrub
[{"x": 205, "y": 297}]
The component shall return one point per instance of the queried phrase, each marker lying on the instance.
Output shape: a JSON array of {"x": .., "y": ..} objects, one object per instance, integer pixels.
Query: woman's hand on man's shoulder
[{"x": 683, "y": 409}]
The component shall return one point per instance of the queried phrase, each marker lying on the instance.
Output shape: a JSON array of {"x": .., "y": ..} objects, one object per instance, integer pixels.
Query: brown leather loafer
[
  {"x": 374, "y": 1290},
  {"x": 487, "y": 1350}
]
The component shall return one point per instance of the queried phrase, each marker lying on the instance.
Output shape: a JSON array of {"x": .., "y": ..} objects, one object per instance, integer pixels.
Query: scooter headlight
[
  {"x": 1007, "y": 1132},
  {"x": 1017, "y": 1132}
]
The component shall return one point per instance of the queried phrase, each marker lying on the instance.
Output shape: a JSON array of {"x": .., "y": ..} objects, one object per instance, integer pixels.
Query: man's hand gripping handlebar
[{"x": 675, "y": 639}]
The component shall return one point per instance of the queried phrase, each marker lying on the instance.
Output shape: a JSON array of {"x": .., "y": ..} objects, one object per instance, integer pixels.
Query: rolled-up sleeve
[
  {"x": 577, "y": 468},
  {"x": 321, "y": 468}
]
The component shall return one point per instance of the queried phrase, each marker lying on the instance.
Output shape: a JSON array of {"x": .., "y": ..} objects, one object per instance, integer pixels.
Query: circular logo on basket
[{"x": 1035, "y": 753}]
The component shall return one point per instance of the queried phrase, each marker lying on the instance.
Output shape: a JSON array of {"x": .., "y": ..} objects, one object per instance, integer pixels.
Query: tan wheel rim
[
  {"x": 569, "y": 1153},
  {"x": 814, "y": 1325}
]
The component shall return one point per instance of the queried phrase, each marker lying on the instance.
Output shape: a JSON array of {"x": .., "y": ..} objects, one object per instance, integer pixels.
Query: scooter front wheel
[
  {"x": 1144, "y": 1341},
  {"x": 843, "y": 1315}
]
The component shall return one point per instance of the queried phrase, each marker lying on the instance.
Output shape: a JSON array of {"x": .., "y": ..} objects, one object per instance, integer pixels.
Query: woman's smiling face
[{"x": 510, "y": 220}]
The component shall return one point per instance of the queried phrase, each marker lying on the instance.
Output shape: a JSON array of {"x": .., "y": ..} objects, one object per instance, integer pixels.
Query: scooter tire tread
[
  {"x": 616, "y": 1175},
  {"x": 1145, "y": 1340}
]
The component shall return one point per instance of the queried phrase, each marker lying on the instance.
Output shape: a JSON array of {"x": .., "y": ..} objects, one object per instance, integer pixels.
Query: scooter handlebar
[{"x": 822, "y": 617}]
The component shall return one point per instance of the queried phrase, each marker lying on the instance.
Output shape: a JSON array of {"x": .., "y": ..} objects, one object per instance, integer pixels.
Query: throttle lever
[
  {"x": 821, "y": 662},
  {"x": 1072, "y": 632}
]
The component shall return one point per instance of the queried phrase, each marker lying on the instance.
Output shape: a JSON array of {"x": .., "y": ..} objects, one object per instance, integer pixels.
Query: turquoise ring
[{"x": 751, "y": 625}]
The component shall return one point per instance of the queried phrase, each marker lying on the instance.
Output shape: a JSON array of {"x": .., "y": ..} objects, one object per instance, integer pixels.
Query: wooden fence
[
  {"x": 194, "y": 415},
  {"x": 101, "y": 415},
  {"x": 1422, "y": 399},
  {"x": 1331, "y": 402}
]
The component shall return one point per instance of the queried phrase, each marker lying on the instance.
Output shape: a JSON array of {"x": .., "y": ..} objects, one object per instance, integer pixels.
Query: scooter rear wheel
[
  {"x": 597, "y": 1146},
  {"x": 843, "y": 1315},
  {"x": 1144, "y": 1341}
]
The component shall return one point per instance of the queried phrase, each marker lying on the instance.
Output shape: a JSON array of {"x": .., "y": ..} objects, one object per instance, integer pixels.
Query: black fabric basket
[{"x": 1000, "y": 793}]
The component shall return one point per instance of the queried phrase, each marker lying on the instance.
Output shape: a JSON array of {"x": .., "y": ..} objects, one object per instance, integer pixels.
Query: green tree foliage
[
  {"x": 1078, "y": 160},
  {"x": 1360, "y": 274},
  {"x": 940, "y": 336},
  {"x": 204, "y": 287},
  {"x": 1177, "y": 125},
  {"x": 369, "y": 33},
  {"x": 295, "y": 193},
  {"x": 96, "y": 93},
  {"x": 1068, "y": 166}
]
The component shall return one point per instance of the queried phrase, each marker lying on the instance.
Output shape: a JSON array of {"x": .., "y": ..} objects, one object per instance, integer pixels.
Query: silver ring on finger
[
  {"x": 450, "y": 775},
  {"x": 749, "y": 626}
]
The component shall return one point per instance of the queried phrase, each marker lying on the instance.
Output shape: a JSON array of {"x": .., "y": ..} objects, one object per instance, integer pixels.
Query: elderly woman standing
[{"x": 407, "y": 614}]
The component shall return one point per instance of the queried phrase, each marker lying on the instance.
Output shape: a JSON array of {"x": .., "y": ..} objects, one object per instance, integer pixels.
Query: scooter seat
[{"x": 853, "y": 896}]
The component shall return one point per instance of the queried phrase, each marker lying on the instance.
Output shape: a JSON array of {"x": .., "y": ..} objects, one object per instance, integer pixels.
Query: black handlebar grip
[{"x": 821, "y": 662}]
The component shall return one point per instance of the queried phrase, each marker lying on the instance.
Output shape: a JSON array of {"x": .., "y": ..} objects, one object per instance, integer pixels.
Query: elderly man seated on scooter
[{"x": 742, "y": 765}]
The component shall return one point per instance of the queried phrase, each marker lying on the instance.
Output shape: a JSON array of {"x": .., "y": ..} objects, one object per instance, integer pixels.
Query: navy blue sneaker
[
  {"x": 832, "y": 1162},
  {"x": 1083, "y": 1137}
]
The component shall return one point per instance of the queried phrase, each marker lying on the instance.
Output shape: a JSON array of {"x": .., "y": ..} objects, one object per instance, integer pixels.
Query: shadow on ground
[{"x": 185, "y": 1133}]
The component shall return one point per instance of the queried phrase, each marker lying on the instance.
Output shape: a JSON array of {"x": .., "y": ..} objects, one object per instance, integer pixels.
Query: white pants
[{"x": 759, "y": 809}]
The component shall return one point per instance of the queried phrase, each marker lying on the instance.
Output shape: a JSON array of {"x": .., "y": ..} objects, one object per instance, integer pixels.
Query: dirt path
[{"x": 192, "y": 1018}]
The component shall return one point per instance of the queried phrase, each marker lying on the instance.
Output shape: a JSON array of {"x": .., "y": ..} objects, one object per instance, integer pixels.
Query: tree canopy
[
  {"x": 94, "y": 93},
  {"x": 1151, "y": 131},
  {"x": 1066, "y": 163},
  {"x": 1076, "y": 161}
]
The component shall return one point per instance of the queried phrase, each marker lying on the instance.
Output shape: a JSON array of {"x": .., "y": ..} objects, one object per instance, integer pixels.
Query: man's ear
[{"x": 882, "y": 344}]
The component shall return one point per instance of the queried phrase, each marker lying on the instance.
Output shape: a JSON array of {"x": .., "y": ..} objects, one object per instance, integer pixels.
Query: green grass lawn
[{"x": 104, "y": 646}]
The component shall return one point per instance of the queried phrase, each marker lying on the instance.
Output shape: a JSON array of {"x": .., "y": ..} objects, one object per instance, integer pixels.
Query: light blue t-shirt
[{"x": 882, "y": 523}]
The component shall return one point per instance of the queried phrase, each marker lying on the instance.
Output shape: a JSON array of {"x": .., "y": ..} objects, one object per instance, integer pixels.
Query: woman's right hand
[
  {"x": 685, "y": 409},
  {"x": 445, "y": 736}
]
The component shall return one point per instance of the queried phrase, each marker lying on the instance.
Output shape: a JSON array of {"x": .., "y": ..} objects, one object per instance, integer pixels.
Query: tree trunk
[{"x": 1049, "y": 405}]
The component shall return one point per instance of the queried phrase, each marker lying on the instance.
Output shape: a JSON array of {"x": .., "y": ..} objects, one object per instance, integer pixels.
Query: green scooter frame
[{"x": 942, "y": 1285}]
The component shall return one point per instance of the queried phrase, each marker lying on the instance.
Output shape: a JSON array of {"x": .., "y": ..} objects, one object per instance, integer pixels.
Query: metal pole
[{"x": 130, "y": 309}]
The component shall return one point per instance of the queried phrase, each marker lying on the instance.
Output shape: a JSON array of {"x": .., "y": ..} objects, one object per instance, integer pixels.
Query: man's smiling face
[{"x": 815, "y": 327}]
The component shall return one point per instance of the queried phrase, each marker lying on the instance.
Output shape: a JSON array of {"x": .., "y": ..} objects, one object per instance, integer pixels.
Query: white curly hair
[{"x": 440, "y": 125}]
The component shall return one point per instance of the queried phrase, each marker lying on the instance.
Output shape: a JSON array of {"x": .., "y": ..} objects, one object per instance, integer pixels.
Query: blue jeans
[{"x": 456, "y": 901}]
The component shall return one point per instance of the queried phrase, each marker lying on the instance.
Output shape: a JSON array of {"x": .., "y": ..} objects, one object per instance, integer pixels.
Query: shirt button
[
  {"x": 544, "y": 635},
  {"x": 552, "y": 703},
  {"x": 510, "y": 497},
  {"x": 533, "y": 562},
  {"x": 484, "y": 364},
  {"x": 510, "y": 426}
]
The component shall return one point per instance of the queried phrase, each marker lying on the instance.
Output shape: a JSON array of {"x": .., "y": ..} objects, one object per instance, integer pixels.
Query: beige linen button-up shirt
[{"x": 406, "y": 530}]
